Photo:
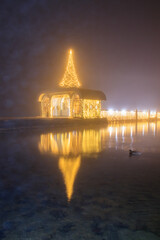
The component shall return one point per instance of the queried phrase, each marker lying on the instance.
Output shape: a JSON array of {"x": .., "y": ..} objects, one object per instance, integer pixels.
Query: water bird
[{"x": 134, "y": 153}]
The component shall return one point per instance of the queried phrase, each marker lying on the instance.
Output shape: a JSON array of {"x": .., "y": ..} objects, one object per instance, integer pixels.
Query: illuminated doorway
[{"x": 60, "y": 106}]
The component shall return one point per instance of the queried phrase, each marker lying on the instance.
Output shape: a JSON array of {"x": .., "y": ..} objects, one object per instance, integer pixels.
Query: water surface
[{"x": 81, "y": 184}]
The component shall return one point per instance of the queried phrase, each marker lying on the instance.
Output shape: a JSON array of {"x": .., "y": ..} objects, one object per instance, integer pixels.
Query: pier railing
[{"x": 125, "y": 115}]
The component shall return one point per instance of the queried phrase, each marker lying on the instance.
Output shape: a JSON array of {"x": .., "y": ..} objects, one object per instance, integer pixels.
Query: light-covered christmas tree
[{"x": 70, "y": 79}]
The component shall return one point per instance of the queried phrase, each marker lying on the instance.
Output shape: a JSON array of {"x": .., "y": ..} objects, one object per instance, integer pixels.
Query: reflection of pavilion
[
  {"x": 71, "y": 143},
  {"x": 70, "y": 146}
]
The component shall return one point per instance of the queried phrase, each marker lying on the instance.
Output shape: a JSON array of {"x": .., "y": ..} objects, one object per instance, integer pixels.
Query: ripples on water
[{"x": 81, "y": 184}]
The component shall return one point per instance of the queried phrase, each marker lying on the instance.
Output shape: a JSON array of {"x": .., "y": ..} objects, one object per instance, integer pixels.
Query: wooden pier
[{"x": 48, "y": 123}]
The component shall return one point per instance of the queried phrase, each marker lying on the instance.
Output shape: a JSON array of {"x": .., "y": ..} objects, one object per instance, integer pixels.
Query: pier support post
[
  {"x": 136, "y": 115},
  {"x": 156, "y": 115}
]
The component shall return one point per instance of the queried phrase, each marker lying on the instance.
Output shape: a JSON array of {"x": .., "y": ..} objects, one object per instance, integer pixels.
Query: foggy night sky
[{"x": 116, "y": 47}]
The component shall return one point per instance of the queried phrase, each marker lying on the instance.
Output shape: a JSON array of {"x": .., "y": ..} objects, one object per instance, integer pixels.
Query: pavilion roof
[{"x": 82, "y": 92}]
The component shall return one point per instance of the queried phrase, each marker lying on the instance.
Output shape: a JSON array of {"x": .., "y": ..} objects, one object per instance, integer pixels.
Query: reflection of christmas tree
[
  {"x": 69, "y": 167},
  {"x": 70, "y": 78}
]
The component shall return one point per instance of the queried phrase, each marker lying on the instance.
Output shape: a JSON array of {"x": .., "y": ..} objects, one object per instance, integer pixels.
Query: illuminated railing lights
[
  {"x": 113, "y": 115},
  {"x": 132, "y": 112},
  {"x": 110, "y": 111},
  {"x": 123, "y": 112}
]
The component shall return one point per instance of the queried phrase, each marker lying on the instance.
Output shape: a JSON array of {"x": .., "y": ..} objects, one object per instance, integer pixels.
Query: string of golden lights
[{"x": 70, "y": 78}]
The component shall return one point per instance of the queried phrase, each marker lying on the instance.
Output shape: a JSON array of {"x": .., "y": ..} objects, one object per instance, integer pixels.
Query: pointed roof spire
[{"x": 70, "y": 78}]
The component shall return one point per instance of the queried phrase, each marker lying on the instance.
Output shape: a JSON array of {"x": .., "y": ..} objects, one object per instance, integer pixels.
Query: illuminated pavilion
[{"x": 71, "y": 100}]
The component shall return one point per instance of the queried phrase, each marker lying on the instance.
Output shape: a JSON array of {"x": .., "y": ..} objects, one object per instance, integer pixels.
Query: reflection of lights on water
[
  {"x": 69, "y": 167},
  {"x": 131, "y": 131},
  {"x": 153, "y": 128},
  {"x": 110, "y": 131},
  {"x": 143, "y": 130},
  {"x": 88, "y": 141},
  {"x": 70, "y": 146},
  {"x": 123, "y": 130},
  {"x": 116, "y": 135}
]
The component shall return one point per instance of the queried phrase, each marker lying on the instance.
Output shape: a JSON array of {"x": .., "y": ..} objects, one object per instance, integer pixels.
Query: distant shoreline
[
  {"x": 58, "y": 123},
  {"x": 46, "y": 123}
]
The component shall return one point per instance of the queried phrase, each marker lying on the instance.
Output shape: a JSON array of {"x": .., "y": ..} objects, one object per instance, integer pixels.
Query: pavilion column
[
  {"x": 100, "y": 107},
  {"x": 81, "y": 107},
  {"x": 149, "y": 114},
  {"x": 71, "y": 108},
  {"x": 136, "y": 115},
  {"x": 82, "y": 104}
]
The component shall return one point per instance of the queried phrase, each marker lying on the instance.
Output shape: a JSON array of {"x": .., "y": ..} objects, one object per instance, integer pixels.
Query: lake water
[{"x": 81, "y": 184}]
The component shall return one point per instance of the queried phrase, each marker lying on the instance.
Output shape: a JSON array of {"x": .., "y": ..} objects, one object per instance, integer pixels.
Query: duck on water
[{"x": 134, "y": 153}]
